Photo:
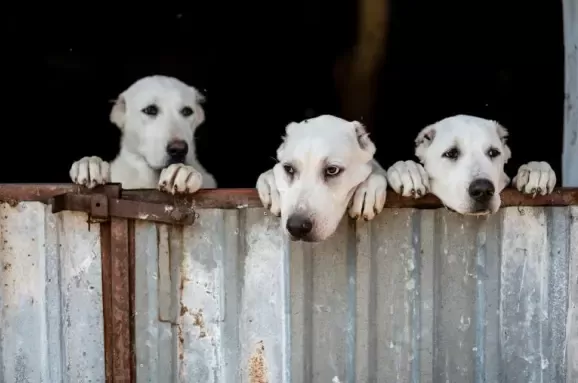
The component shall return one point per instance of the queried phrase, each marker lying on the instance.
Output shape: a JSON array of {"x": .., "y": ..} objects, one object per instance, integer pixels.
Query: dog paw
[
  {"x": 90, "y": 171},
  {"x": 268, "y": 193},
  {"x": 179, "y": 178},
  {"x": 408, "y": 178},
  {"x": 369, "y": 197},
  {"x": 535, "y": 178}
]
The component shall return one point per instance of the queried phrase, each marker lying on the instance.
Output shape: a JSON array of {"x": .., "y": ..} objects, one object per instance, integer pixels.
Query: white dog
[
  {"x": 463, "y": 161},
  {"x": 323, "y": 163},
  {"x": 158, "y": 117}
]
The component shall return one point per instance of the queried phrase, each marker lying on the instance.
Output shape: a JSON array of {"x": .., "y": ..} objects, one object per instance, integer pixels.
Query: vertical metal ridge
[
  {"x": 416, "y": 220},
  {"x": 351, "y": 301},
  {"x": 54, "y": 327},
  {"x": 372, "y": 353},
  {"x": 500, "y": 329},
  {"x": 308, "y": 274},
  {"x": 480, "y": 309},
  {"x": 559, "y": 236},
  {"x": 436, "y": 371},
  {"x": 287, "y": 328},
  {"x": 240, "y": 258},
  {"x": 501, "y": 367},
  {"x": 230, "y": 286},
  {"x": 545, "y": 298}
]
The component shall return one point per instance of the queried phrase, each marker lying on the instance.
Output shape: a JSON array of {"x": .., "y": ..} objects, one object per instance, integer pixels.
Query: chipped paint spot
[{"x": 257, "y": 365}]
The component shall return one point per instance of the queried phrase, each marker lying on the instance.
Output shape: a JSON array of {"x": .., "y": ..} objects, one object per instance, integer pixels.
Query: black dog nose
[
  {"x": 481, "y": 190},
  {"x": 299, "y": 226},
  {"x": 177, "y": 149}
]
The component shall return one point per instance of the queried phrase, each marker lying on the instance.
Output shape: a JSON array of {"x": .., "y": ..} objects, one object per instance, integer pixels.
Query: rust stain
[
  {"x": 7, "y": 266},
  {"x": 181, "y": 346},
  {"x": 257, "y": 365},
  {"x": 198, "y": 320}
]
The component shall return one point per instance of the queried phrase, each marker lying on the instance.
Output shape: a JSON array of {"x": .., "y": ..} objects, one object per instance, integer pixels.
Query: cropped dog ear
[
  {"x": 118, "y": 112},
  {"x": 503, "y": 134},
  {"x": 288, "y": 130},
  {"x": 199, "y": 115},
  {"x": 423, "y": 141},
  {"x": 365, "y": 143}
]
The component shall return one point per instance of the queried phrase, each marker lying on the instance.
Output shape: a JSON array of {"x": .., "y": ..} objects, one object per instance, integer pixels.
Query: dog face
[
  {"x": 158, "y": 116},
  {"x": 321, "y": 162},
  {"x": 464, "y": 157}
]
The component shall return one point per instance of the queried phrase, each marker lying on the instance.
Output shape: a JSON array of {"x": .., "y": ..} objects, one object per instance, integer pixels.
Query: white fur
[
  {"x": 311, "y": 147},
  {"x": 450, "y": 179},
  {"x": 143, "y": 160}
]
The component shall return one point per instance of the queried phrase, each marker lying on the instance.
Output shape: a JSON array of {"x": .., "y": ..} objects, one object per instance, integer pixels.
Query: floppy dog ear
[
  {"x": 503, "y": 134},
  {"x": 423, "y": 141},
  {"x": 199, "y": 115},
  {"x": 118, "y": 112},
  {"x": 363, "y": 139}
]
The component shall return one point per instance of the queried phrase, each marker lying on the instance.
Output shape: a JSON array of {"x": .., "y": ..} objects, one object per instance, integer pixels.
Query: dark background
[{"x": 262, "y": 67}]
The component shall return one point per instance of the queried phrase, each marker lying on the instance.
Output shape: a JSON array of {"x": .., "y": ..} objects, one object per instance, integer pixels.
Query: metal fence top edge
[{"x": 245, "y": 198}]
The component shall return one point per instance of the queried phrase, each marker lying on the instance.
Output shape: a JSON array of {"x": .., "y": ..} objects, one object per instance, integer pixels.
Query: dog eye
[
  {"x": 187, "y": 111},
  {"x": 493, "y": 153},
  {"x": 332, "y": 171},
  {"x": 289, "y": 169},
  {"x": 452, "y": 154},
  {"x": 151, "y": 110}
]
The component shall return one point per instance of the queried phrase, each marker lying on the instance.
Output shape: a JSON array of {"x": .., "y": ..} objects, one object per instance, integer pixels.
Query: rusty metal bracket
[{"x": 104, "y": 202}]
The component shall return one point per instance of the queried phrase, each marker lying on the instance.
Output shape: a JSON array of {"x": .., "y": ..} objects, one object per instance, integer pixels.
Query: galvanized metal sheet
[
  {"x": 571, "y": 340},
  {"x": 570, "y": 151},
  {"x": 414, "y": 296},
  {"x": 211, "y": 300},
  {"x": 50, "y": 296}
]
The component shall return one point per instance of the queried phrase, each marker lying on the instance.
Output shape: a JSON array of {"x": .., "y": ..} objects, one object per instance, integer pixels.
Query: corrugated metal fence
[
  {"x": 51, "y": 323},
  {"x": 414, "y": 296}
]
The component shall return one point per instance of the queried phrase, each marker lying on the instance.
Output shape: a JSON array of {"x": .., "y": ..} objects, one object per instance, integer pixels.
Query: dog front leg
[
  {"x": 90, "y": 171},
  {"x": 369, "y": 197},
  {"x": 409, "y": 179},
  {"x": 535, "y": 178},
  {"x": 268, "y": 192},
  {"x": 180, "y": 178}
]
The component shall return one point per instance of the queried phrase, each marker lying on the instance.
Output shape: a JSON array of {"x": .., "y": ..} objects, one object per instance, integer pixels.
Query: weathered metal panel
[
  {"x": 50, "y": 296},
  {"x": 570, "y": 154},
  {"x": 211, "y": 302},
  {"x": 414, "y": 296},
  {"x": 572, "y": 324}
]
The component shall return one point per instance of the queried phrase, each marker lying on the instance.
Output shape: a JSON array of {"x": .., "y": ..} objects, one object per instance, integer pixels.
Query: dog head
[
  {"x": 464, "y": 157},
  {"x": 321, "y": 162},
  {"x": 158, "y": 116}
]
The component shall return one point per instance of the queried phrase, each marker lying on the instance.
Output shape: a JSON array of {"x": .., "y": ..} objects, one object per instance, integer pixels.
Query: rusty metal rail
[
  {"x": 242, "y": 198},
  {"x": 105, "y": 202}
]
